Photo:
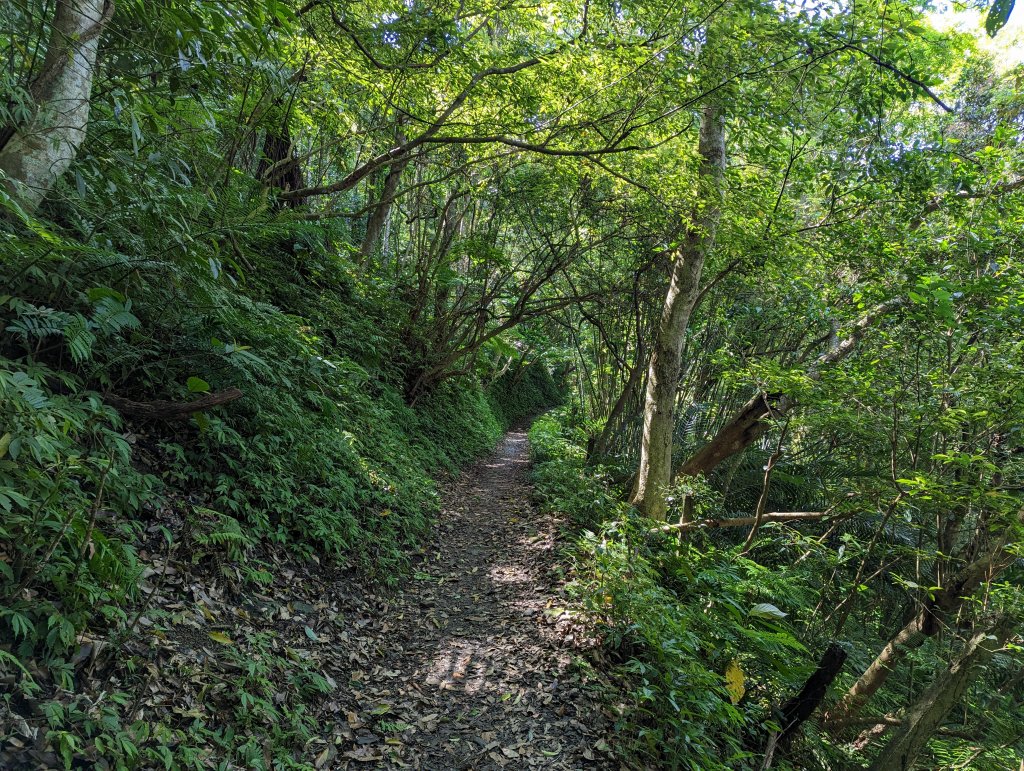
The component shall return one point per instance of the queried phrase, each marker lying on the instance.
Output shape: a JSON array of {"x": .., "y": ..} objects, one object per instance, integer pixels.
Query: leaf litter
[
  {"x": 468, "y": 666},
  {"x": 468, "y": 657}
]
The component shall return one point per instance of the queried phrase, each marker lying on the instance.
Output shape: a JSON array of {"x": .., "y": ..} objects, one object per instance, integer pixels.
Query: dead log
[
  {"x": 801, "y": 706},
  {"x": 161, "y": 409}
]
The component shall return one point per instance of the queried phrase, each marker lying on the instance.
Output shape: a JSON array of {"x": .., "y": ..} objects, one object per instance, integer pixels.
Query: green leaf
[
  {"x": 998, "y": 15},
  {"x": 197, "y": 385},
  {"x": 766, "y": 610},
  {"x": 222, "y": 638}
]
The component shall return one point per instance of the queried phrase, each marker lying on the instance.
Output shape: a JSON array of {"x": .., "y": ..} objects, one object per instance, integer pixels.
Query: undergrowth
[
  {"x": 320, "y": 457},
  {"x": 704, "y": 643},
  {"x": 698, "y": 637}
]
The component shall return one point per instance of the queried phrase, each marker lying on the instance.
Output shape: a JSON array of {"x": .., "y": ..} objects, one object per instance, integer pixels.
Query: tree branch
[
  {"x": 165, "y": 410},
  {"x": 774, "y": 516},
  {"x": 896, "y": 71},
  {"x": 400, "y": 151}
]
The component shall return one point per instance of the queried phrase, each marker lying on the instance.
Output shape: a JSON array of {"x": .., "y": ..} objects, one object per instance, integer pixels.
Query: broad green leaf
[
  {"x": 766, "y": 610},
  {"x": 998, "y": 15}
]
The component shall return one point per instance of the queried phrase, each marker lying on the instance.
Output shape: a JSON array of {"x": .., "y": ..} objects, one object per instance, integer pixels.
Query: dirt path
[{"x": 470, "y": 667}]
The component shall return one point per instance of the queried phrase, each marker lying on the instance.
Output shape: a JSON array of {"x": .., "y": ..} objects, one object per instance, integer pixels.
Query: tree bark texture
[
  {"x": 38, "y": 153},
  {"x": 379, "y": 214},
  {"x": 655, "y": 469},
  {"x": 931, "y": 708}
]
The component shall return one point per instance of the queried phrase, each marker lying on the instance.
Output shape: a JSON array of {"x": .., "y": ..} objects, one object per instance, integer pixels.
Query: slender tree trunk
[
  {"x": 379, "y": 215},
  {"x": 931, "y": 708},
  {"x": 38, "y": 153},
  {"x": 911, "y": 636},
  {"x": 599, "y": 446},
  {"x": 655, "y": 470},
  {"x": 925, "y": 623}
]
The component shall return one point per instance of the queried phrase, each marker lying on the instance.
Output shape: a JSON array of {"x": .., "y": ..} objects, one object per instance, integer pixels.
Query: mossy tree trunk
[
  {"x": 655, "y": 470},
  {"x": 38, "y": 153}
]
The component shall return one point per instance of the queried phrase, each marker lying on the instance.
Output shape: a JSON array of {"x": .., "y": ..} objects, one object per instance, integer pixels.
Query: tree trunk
[
  {"x": 379, "y": 216},
  {"x": 655, "y": 470},
  {"x": 925, "y": 623},
  {"x": 599, "y": 446},
  {"x": 748, "y": 425},
  {"x": 801, "y": 706},
  {"x": 928, "y": 712},
  {"x": 38, "y": 153},
  {"x": 279, "y": 168}
]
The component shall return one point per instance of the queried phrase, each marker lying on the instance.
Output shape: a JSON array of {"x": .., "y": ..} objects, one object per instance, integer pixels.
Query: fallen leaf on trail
[
  {"x": 498, "y": 692},
  {"x": 324, "y": 757}
]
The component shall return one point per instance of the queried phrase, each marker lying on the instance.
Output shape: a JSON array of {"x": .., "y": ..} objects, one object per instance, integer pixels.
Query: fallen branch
[
  {"x": 774, "y": 516},
  {"x": 165, "y": 410}
]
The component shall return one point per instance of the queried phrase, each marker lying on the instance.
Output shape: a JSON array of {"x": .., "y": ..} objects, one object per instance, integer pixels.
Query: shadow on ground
[{"x": 471, "y": 668}]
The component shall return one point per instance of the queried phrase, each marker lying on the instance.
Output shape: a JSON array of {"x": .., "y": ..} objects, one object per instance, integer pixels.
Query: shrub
[{"x": 679, "y": 622}]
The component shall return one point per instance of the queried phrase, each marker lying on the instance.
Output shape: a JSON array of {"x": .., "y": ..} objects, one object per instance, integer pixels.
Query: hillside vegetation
[{"x": 273, "y": 273}]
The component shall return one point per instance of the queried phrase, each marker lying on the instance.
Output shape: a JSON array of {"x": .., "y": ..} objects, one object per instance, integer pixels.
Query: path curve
[{"x": 474, "y": 658}]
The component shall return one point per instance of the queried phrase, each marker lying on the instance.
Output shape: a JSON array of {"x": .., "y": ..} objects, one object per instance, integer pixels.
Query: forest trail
[{"x": 477, "y": 646}]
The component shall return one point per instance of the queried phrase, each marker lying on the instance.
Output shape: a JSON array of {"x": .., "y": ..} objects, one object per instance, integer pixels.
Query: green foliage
[
  {"x": 675, "y": 618},
  {"x": 69, "y": 496},
  {"x": 495, "y": 195},
  {"x": 562, "y": 481},
  {"x": 261, "y": 725},
  {"x": 521, "y": 392},
  {"x": 321, "y": 456}
]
